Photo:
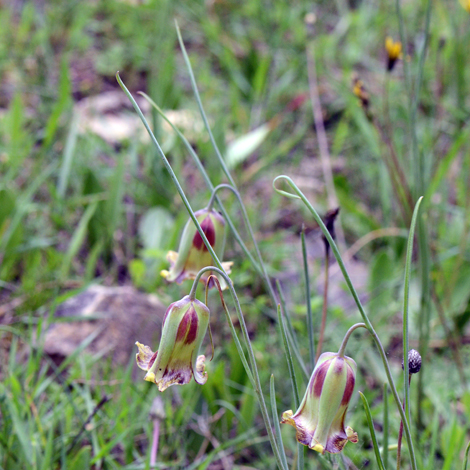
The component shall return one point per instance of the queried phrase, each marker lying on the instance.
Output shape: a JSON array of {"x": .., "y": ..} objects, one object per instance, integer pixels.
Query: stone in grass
[{"x": 118, "y": 316}]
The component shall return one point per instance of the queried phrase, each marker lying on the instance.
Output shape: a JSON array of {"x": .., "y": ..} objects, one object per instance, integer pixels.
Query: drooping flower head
[
  {"x": 176, "y": 361},
  {"x": 193, "y": 254},
  {"x": 393, "y": 52},
  {"x": 319, "y": 421}
]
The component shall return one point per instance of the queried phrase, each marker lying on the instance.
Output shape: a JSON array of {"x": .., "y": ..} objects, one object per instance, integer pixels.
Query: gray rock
[{"x": 119, "y": 316}]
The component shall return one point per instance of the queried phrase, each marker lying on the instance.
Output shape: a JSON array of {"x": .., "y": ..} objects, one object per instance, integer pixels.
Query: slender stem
[
  {"x": 299, "y": 195},
  {"x": 406, "y": 297},
  {"x": 385, "y": 428},
  {"x": 172, "y": 174},
  {"x": 220, "y": 158},
  {"x": 347, "y": 336},
  {"x": 259, "y": 266},
  {"x": 325, "y": 305},
  {"x": 467, "y": 450},
  {"x": 400, "y": 433},
  {"x": 311, "y": 340},
  {"x": 251, "y": 357}
]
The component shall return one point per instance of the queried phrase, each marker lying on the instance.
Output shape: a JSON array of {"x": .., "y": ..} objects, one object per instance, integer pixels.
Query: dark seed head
[{"x": 414, "y": 361}]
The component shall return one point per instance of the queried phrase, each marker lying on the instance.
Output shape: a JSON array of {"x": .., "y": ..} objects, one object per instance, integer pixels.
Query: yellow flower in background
[
  {"x": 394, "y": 51},
  {"x": 465, "y": 4},
  {"x": 360, "y": 91},
  {"x": 319, "y": 421}
]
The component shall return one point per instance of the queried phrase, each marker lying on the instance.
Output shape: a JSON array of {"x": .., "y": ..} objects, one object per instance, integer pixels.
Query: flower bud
[
  {"x": 319, "y": 421},
  {"x": 193, "y": 254},
  {"x": 176, "y": 361},
  {"x": 414, "y": 362}
]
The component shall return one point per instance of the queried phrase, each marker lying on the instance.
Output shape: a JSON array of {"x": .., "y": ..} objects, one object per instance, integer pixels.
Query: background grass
[{"x": 76, "y": 209}]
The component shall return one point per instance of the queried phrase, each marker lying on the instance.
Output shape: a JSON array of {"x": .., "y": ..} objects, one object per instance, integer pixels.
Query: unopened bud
[{"x": 414, "y": 361}]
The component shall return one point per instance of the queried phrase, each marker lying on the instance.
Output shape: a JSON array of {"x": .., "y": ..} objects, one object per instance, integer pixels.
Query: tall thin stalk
[{"x": 299, "y": 195}]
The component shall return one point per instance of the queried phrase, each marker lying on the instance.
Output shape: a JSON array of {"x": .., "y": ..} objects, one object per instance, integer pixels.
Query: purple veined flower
[
  {"x": 319, "y": 421},
  {"x": 193, "y": 255},
  {"x": 177, "y": 359}
]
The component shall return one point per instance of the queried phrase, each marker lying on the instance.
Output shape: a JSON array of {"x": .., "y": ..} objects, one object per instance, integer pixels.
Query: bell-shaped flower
[
  {"x": 177, "y": 360},
  {"x": 193, "y": 254},
  {"x": 319, "y": 421}
]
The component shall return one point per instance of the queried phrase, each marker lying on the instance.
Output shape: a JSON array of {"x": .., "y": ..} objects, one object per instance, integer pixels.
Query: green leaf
[{"x": 242, "y": 147}]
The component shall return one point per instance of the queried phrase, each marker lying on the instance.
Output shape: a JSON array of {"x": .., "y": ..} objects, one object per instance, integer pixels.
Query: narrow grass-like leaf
[
  {"x": 385, "y": 426},
  {"x": 20, "y": 430},
  {"x": 22, "y": 205},
  {"x": 114, "y": 202},
  {"x": 295, "y": 390},
  {"x": 465, "y": 460},
  {"x": 61, "y": 104},
  {"x": 372, "y": 432},
  {"x": 277, "y": 428},
  {"x": 67, "y": 158},
  {"x": 47, "y": 462},
  {"x": 77, "y": 239},
  {"x": 288, "y": 355}
]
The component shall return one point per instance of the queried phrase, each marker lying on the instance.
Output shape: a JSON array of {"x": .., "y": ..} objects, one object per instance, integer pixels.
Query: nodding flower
[
  {"x": 393, "y": 51},
  {"x": 193, "y": 254},
  {"x": 177, "y": 360},
  {"x": 319, "y": 421}
]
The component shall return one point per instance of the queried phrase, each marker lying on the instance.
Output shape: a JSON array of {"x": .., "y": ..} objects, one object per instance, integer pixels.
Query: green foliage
[{"x": 76, "y": 208}]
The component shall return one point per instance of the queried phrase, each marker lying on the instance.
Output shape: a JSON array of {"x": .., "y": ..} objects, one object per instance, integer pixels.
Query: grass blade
[
  {"x": 372, "y": 432},
  {"x": 277, "y": 428}
]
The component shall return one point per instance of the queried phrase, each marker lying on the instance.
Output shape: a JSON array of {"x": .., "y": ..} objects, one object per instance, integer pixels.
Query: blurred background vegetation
[{"x": 85, "y": 200}]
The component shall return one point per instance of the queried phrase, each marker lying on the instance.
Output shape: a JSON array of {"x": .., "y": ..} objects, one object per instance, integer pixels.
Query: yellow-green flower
[
  {"x": 192, "y": 254},
  {"x": 394, "y": 50},
  {"x": 319, "y": 421},
  {"x": 177, "y": 360}
]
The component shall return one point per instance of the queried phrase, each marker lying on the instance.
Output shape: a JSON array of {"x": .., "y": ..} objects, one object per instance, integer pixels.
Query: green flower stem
[
  {"x": 406, "y": 301},
  {"x": 311, "y": 340},
  {"x": 209, "y": 184},
  {"x": 465, "y": 461},
  {"x": 251, "y": 357},
  {"x": 259, "y": 267},
  {"x": 220, "y": 158},
  {"x": 347, "y": 336},
  {"x": 172, "y": 174},
  {"x": 326, "y": 233},
  {"x": 385, "y": 426}
]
